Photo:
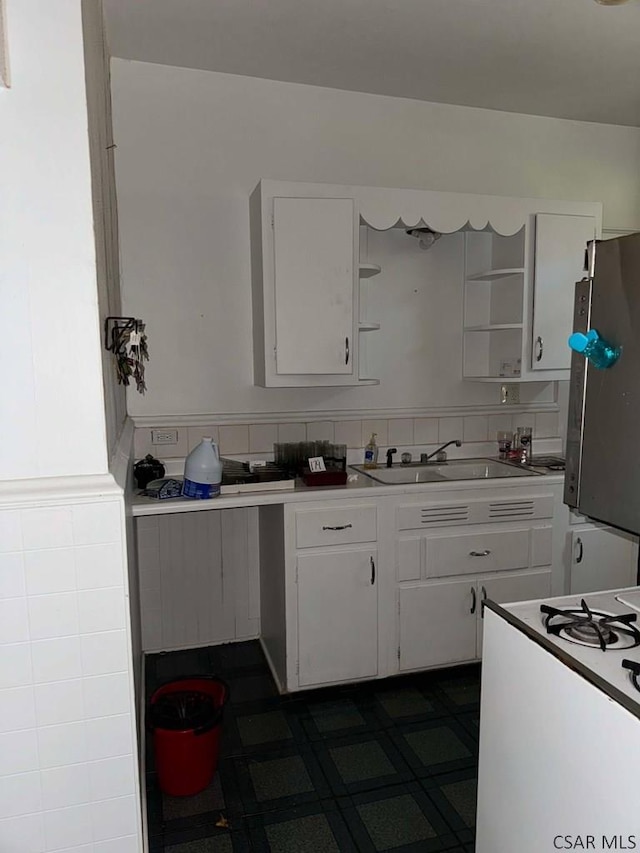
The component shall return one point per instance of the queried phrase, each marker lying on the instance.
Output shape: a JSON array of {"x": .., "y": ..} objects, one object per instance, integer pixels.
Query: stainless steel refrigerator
[{"x": 602, "y": 478}]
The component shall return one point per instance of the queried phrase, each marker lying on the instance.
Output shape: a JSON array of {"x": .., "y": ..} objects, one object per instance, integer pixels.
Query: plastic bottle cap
[{"x": 578, "y": 342}]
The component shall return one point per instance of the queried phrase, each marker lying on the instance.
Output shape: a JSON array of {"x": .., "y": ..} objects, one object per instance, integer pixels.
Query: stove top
[{"x": 598, "y": 631}]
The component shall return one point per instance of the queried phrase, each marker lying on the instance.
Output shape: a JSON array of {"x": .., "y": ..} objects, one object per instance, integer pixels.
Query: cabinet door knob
[
  {"x": 474, "y": 600},
  {"x": 346, "y": 350},
  {"x": 336, "y": 527},
  {"x": 539, "y": 348},
  {"x": 484, "y": 553},
  {"x": 580, "y": 550},
  {"x": 373, "y": 570}
]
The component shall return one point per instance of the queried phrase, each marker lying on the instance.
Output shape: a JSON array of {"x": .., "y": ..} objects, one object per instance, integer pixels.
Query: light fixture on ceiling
[{"x": 426, "y": 236}]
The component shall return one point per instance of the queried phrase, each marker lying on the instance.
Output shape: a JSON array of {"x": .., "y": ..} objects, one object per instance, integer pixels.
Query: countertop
[{"x": 357, "y": 486}]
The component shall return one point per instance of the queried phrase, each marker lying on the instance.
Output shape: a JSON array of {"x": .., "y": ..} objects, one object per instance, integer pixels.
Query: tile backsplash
[{"x": 259, "y": 437}]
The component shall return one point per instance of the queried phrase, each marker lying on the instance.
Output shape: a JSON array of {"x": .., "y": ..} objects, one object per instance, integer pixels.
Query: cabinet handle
[
  {"x": 336, "y": 527},
  {"x": 373, "y": 570},
  {"x": 474, "y": 600},
  {"x": 484, "y": 598},
  {"x": 484, "y": 553},
  {"x": 539, "y": 348},
  {"x": 580, "y": 548},
  {"x": 346, "y": 350}
]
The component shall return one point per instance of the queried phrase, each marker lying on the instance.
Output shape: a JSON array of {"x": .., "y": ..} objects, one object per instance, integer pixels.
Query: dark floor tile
[
  {"x": 251, "y": 687},
  {"x": 361, "y": 763},
  {"x": 280, "y": 777},
  {"x": 401, "y": 819},
  {"x": 207, "y": 840},
  {"x": 268, "y": 727},
  {"x": 234, "y": 657},
  {"x": 181, "y": 664},
  {"x": 440, "y": 746},
  {"x": 313, "y": 828},
  {"x": 222, "y": 844},
  {"x": 404, "y": 702},
  {"x": 333, "y": 716},
  {"x": 455, "y": 796},
  {"x": 209, "y": 800}
]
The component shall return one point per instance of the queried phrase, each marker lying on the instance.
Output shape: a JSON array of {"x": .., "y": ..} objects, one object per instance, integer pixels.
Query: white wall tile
[
  {"x": 106, "y": 695},
  {"x": 381, "y": 429},
  {"x": 104, "y": 653},
  {"x": 15, "y": 665},
  {"x": 62, "y": 745},
  {"x": 113, "y": 777},
  {"x": 59, "y": 702},
  {"x": 108, "y": 737},
  {"x": 142, "y": 443},
  {"x": 53, "y": 615},
  {"x": 12, "y": 579},
  {"x": 114, "y": 818},
  {"x": 96, "y": 523},
  {"x": 475, "y": 428},
  {"x": 546, "y": 425},
  {"x": 17, "y": 709},
  {"x": 349, "y": 433},
  {"x": 450, "y": 429},
  {"x": 47, "y": 528},
  {"x": 99, "y": 566},
  {"x": 68, "y": 827},
  {"x": 525, "y": 419},
  {"x": 56, "y": 659},
  {"x": 292, "y": 432},
  {"x": 18, "y": 752},
  {"x": 14, "y": 621},
  {"x": 171, "y": 451},
  {"x": 320, "y": 431},
  {"x": 499, "y": 422},
  {"x": 20, "y": 795},
  {"x": 101, "y": 610},
  {"x": 197, "y": 433},
  {"x": 50, "y": 570},
  {"x": 401, "y": 432},
  {"x": 425, "y": 431},
  {"x": 66, "y": 786},
  {"x": 262, "y": 437},
  {"x": 129, "y": 844},
  {"x": 234, "y": 438},
  {"x": 10, "y": 531},
  {"x": 22, "y": 834}
]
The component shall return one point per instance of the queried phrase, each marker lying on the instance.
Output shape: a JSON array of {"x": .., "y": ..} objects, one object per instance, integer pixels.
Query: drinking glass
[
  {"x": 505, "y": 438},
  {"x": 524, "y": 436}
]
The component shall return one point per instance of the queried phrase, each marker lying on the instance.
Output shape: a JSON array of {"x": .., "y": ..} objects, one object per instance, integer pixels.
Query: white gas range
[{"x": 560, "y": 725}]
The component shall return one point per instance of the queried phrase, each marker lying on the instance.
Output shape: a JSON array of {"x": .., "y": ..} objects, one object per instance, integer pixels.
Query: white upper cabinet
[
  {"x": 560, "y": 243},
  {"x": 313, "y": 281}
]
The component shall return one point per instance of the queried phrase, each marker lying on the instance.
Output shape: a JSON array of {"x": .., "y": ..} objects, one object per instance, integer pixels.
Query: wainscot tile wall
[{"x": 259, "y": 437}]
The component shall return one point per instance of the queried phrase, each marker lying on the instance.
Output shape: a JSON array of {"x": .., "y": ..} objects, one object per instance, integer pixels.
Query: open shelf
[
  {"x": 368, "y": 327},
  {"x": 493, "y": 275},
  {"x": 368, "y": 270}
]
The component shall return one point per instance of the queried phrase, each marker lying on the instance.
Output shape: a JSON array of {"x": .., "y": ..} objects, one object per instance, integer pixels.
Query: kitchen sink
[{"x": 440, "y": 472}]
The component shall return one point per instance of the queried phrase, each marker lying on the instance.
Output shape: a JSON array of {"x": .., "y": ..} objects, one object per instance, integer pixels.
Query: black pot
[{"x": 146, "y": 470}]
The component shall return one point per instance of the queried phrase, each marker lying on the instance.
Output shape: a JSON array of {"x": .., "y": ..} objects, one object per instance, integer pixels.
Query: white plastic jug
[{"x": 202, "y": 471}]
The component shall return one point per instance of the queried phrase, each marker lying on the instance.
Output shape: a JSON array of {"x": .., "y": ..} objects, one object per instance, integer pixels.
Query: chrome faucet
[{"x": 425, "y": 457}]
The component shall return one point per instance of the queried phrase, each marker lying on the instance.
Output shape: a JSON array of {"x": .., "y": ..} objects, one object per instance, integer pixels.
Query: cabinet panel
[
  {"x": 559, "y": 263},
  {"x": 337, "y": 616},
  {"x": 474, "y": 552},
  {"x": 314, "y": 285},
  {"x": 339, "y": 525},
  {"x": 437, "y": 626},
  {"x": 602, "y": 558},
  {"x": 408, "y": 555},
  {"x": 525, "y": 586}
]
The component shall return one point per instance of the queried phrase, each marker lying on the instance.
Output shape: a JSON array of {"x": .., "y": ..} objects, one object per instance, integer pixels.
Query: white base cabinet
[
  {"x": 337, "y": 616},
  {"x": 601, "y": 558}
]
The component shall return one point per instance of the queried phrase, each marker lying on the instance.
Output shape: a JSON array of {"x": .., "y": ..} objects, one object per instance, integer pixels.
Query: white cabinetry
[
  {"x": 518, "y": 298},
  {"x": 601, "y": 558}
]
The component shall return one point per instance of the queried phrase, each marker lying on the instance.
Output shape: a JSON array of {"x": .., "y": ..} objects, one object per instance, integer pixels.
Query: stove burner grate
[
  {"x": 635, "y": 671},
  {"x": 592, "y": 628}
]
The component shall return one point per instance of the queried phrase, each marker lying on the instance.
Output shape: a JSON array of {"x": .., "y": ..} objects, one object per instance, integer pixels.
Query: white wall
[
  {"x": 52, "y": 401},
  {"x": 193, "y": 144}
]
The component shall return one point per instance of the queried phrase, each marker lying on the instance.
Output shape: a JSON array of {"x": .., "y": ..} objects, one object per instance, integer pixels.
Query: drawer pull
[
  {"x": 580, "y": 548},
  {"x": 373, "y": 571},
  {"x": 484, "y": 553},
  {"x": 336, "y": 527},
  {"x": 473, "y": 600}
]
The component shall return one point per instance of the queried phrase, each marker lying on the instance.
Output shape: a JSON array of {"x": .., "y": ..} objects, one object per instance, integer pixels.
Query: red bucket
[{"x": 185, "y": 717}]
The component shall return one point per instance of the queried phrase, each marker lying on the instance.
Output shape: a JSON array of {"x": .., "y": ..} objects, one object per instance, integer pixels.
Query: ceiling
[{"x": 566, "y": 58}]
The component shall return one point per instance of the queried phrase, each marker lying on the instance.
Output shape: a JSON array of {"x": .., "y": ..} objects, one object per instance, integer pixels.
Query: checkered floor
[{"x": 384, "y": 766}]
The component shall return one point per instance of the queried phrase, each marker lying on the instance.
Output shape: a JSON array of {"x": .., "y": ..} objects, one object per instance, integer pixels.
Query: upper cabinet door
[
  {"x": 560, "y": 245},
  {"x": 314, "y": 285}
]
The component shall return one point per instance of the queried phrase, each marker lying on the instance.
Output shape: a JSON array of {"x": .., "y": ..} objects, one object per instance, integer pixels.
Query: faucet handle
[
  {"x": 441, "y": 456},
  {"x": 424, "y": 458}
]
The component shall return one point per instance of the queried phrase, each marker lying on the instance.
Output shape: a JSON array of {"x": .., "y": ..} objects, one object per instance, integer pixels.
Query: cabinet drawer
[
  {"x": 341, "y": 525},
  {"x": 476, "y": 552}
]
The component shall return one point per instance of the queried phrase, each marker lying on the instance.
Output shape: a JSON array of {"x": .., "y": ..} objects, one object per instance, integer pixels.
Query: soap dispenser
[{"x": 371, "y": 453}]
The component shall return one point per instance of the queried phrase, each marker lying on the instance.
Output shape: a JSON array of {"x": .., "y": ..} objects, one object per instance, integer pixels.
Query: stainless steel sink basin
[{"x": 460, "y": 469}]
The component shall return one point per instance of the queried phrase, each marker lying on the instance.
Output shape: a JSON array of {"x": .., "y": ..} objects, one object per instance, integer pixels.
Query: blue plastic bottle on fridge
[{"x": 600, "y": 353}]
